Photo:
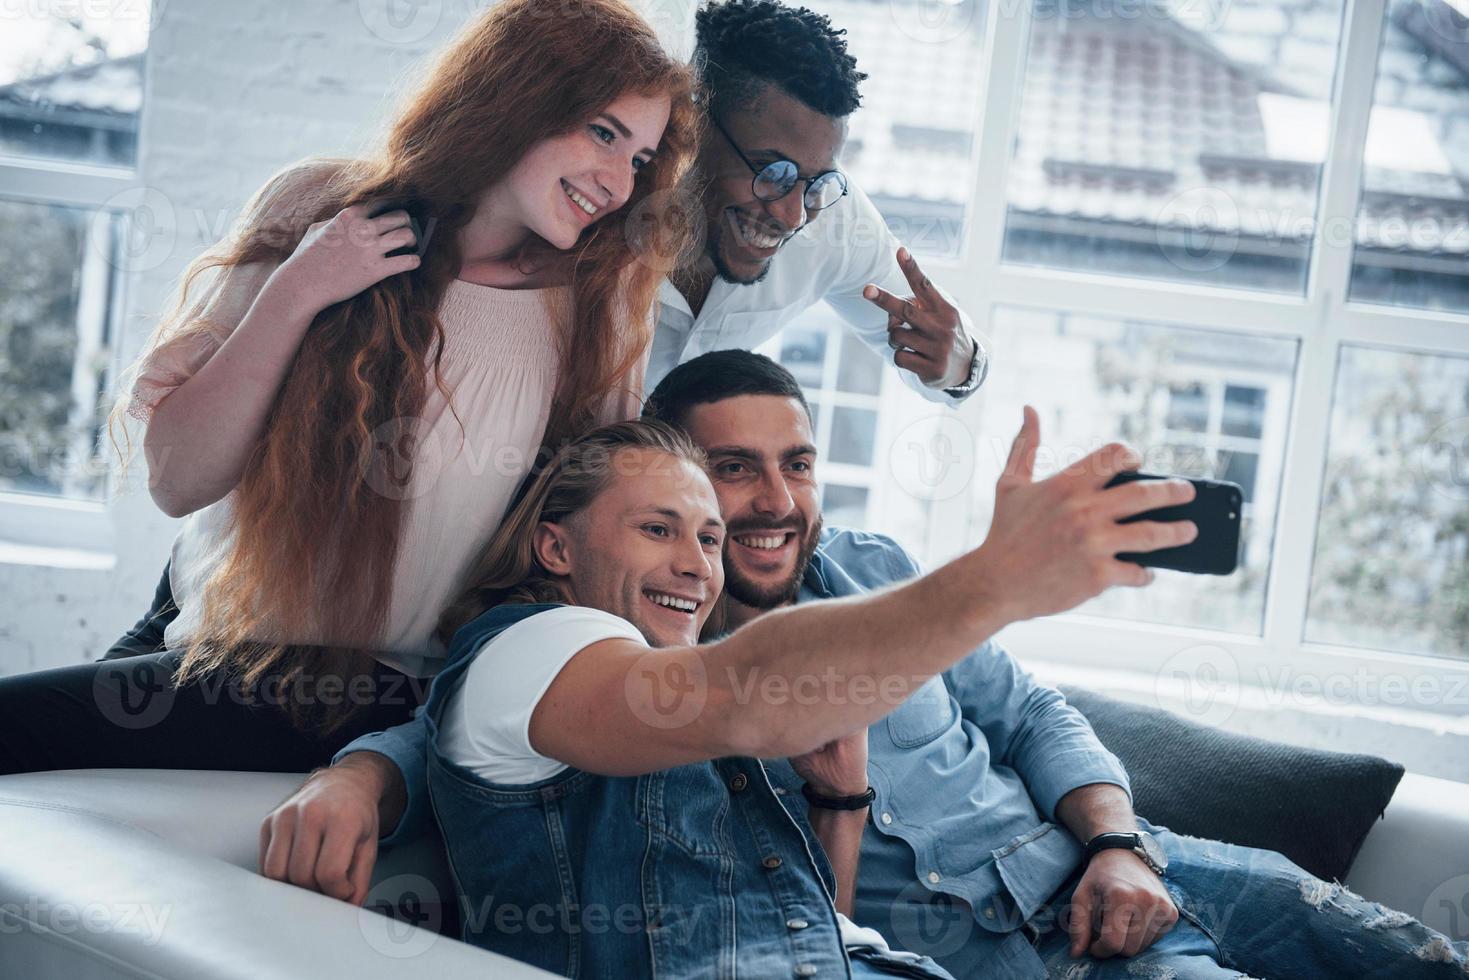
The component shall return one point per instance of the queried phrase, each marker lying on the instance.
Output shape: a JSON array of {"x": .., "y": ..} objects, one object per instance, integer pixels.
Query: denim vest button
[
  {"x": 739, "y": 782},
  {"x": 933, "y": 877},
  {"x": 796, "y": 923},
  {"x": 805, "y": 970},
  {"x": 887, "y": 818},
  {"x": 771, "y": 862},
  {"x": 989, "y": 913}
]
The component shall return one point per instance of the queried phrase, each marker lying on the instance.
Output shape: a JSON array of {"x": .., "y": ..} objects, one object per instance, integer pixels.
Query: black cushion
[{"x": 1314, "y": 807}]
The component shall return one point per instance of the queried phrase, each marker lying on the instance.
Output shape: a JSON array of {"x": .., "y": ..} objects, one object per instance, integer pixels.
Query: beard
[
  {"x": 741, "y": 589},
  {"x": 715, "y": 250}
]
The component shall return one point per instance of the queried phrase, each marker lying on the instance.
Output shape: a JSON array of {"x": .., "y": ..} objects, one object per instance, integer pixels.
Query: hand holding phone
[{"x": 1215, "y": 509}]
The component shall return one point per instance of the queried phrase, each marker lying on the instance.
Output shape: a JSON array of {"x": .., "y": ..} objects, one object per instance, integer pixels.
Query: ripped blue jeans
[{"x": 1253, "y": 913}]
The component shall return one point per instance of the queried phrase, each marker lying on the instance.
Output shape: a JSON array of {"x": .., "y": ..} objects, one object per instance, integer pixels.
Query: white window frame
[
  {"x": 40, "y": 523},
  {"x": 1322, "y": 321}
]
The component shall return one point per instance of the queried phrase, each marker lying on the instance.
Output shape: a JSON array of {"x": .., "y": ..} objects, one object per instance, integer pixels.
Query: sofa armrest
[
  {"x": 88, "y": 894},
  {"x": 1415, "y": 859}
]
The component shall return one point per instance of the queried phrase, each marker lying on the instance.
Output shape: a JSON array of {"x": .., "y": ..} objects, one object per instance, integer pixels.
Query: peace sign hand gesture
[{"x": 925, "y": 329}]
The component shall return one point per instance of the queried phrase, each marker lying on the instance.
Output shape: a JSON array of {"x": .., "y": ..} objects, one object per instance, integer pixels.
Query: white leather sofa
[{"x": 109, "y": 874}]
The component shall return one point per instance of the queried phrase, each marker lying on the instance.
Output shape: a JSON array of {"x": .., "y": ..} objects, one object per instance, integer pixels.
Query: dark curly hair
[{"x": 746, "y": 44}]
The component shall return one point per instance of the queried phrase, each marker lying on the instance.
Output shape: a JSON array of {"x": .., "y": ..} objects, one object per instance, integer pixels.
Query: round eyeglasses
[{"x": 775, "y": 180}]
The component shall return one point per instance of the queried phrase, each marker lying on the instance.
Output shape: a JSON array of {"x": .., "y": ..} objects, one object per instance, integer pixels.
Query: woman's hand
[
  {"x": 340, "y": 257},
  {"x": 838, "y": 768}
]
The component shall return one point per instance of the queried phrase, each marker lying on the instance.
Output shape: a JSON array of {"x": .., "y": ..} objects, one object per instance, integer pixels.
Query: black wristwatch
[
  {"x": 1141, "y": 843},
  {"x": 859, "y": 802}
]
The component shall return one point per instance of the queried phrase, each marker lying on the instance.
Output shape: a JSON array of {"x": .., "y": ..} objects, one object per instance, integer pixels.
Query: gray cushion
[{"x": 1315, "y": 807}]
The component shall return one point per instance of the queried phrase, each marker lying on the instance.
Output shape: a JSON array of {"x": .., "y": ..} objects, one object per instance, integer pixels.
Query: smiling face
[
  {"x": 646, "y": 549},
  {"x": 762, "y": 458},
  {"x": 567, "y": 182},
  {"x": 744, "y": 232}
]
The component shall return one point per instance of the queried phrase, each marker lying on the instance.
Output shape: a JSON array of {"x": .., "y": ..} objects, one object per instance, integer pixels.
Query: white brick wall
[{"x": 234, "y": 91}]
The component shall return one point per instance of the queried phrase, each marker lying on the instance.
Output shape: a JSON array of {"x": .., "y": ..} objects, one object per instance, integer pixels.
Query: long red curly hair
[{"x": 314, "y": 544}]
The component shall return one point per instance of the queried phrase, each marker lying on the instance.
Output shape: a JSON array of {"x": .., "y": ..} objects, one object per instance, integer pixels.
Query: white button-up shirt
[{"x": 833, "y": 258}]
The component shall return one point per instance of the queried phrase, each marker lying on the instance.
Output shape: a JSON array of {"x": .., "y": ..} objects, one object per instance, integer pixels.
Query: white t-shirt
[
  {"x": 486, "y": 723},
  {"x": 485, "y": 726}
]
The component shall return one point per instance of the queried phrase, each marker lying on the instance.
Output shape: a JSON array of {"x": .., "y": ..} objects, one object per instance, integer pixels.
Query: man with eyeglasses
[{"x": 784, "y": 227}]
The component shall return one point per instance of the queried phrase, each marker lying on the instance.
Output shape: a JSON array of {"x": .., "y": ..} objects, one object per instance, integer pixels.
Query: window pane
[
  {"x": 911, "y": 144},
  {"x": 1244, "y": 411},
  {"x": 1176, "y": 141},
  {"x": 71, "y": 81},
  {"x": 844, "y": 506},
  {"x": 803, "y": 350},
  {"x": 1109, "y": 379},
  {"x": 853, "y": 431},
  {"x": 1392, "y": 549},
  {"x": 1412, "y": 228},
  {"x": 859, "y": 370},
  {"x": 53, "y": 355}
]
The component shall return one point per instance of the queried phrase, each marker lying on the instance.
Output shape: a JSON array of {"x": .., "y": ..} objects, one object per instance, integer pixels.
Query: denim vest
[{"x": 697, "y": 871}]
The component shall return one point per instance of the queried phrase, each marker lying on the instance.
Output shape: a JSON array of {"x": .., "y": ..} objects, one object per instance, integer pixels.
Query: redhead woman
[{"x": 354, "y": 386}]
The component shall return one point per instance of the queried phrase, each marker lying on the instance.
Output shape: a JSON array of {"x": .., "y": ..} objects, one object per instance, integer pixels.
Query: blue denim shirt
[{"x": 962, "y": 847}]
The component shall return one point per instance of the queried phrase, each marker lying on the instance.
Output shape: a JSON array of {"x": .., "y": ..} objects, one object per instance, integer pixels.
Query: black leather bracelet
[{"x": 859, "y": 802}]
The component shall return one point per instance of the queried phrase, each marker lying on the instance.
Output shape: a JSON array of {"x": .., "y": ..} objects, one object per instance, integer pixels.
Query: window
[
  {"x": 911, "y": 145},
  {"x": 1173, "y": 140},
  {"x": 71, "y": 88},
  {"x": 1197, "y": 403},
  {"x": 71, "y": 82},
  {"x": 1391, "y": 565},
  {"x": 1412, "y": 228},
  {"x": 1195, "y": 250},
  {"x": 857, "y": 406}
]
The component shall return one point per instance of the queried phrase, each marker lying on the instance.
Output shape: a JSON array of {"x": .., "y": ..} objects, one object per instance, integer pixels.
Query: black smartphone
[{"x": 1215, "y": 509}]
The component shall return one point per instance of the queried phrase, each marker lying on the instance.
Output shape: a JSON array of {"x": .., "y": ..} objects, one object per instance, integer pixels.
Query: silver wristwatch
[{"x": 979, "y": 369}]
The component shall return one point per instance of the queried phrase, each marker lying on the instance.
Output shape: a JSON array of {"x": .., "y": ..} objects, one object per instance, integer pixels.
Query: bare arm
[
  {"x": 799, "y": 677},
  {"x": 203, "y": 433},
  {"x": 838, "y": 769}
]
